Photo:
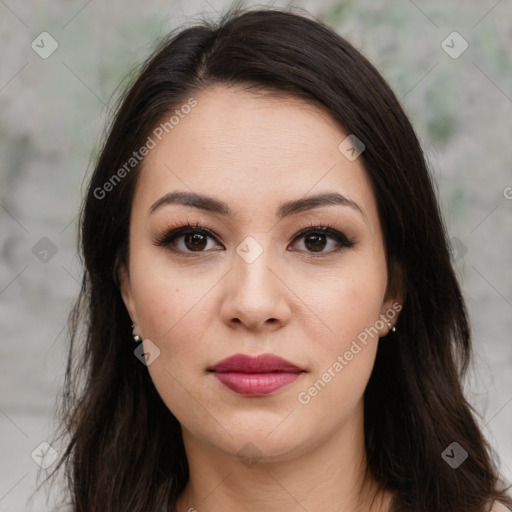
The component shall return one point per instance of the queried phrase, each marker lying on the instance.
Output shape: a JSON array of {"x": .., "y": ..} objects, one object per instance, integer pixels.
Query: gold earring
[
  {"x": 391, "y": 327},
  {"x": 136, "y": 337}
]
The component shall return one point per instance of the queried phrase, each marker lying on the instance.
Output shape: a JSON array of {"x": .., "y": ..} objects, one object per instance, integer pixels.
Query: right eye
[{"x": 187, "y": 239}]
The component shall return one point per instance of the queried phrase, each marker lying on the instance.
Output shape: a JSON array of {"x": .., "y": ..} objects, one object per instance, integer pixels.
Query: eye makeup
[{"x": 198, "y": 234}]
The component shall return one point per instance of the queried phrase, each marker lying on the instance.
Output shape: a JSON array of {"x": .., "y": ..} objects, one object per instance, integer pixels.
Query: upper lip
[{"x": 264, "y": 363}]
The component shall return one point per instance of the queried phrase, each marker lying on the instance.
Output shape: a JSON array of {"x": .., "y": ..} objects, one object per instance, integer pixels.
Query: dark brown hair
[{"x": 124, "y": 450}]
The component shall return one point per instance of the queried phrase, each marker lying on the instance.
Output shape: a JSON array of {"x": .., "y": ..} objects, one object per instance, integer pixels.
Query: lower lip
[{"x": 256, "y": 384}]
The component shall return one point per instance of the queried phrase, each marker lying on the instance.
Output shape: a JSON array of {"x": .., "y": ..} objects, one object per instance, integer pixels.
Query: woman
[{"x": 272, "y": 321}]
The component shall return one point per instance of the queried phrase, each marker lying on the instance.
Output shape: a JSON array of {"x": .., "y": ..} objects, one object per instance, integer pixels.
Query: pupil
[
  {"x": 318, "y": 242},
  {"x": 196, "y": 240}
]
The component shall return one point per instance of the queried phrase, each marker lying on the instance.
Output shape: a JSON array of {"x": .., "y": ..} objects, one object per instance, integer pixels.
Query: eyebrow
[{"x": 286, "y": 209}]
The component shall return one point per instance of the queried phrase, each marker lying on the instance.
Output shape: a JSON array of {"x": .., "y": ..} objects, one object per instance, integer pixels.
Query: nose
[{"x": 256, "y": 297}]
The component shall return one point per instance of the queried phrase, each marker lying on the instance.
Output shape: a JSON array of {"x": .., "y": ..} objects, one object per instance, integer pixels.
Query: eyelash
[{"x": 173, "y": 232}]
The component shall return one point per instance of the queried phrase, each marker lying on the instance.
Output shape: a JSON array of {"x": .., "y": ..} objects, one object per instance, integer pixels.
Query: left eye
[
  {"x": 189, "y": 239},
  {"x": 315, "y": 239}
]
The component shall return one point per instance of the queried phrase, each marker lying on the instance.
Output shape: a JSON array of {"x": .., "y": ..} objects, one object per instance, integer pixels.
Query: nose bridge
[
  {"x": 253, "y": 264},
  {"x": 254, "y": 294}
]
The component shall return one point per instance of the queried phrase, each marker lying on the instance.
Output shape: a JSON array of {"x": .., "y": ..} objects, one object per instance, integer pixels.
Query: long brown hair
[{"x": 124, "y": 449}]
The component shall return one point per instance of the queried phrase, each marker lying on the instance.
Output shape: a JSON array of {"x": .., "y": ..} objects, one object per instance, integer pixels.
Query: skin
[{"x": 254, "y": 152}]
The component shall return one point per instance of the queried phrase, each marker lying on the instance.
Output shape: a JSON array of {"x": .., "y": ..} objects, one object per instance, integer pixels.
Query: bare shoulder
[{"x": 499, "y": 507}]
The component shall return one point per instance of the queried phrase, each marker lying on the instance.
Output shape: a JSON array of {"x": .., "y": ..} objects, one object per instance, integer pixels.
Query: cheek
[
  {"x": 344, "y": 332},
  {"x": 342, "y": 362},
  {"x": 348, "y": 301},
  {"x": 171, "y": 313},
  {"x": 168, "y": 298},
  {"x": 174, "y": 311}
]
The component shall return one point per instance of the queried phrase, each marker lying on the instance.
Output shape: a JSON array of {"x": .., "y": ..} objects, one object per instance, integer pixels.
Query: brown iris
[
  {"x": 315, "y": 242},
  {"x": 195, "y": 241}
]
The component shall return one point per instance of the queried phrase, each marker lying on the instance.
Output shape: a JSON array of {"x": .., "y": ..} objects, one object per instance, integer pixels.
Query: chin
[{"x": 262, "y": 444}]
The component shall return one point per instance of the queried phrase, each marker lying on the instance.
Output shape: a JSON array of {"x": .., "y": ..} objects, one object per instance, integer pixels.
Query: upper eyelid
[{"x": 210, "y": 232}]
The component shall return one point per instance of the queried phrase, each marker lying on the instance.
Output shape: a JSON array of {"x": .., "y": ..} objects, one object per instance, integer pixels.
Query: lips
[
  {"x": 264, "y": 363},
  {"x": 255, "y": 376}
]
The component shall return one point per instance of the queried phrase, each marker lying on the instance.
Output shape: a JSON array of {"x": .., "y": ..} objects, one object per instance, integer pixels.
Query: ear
[
  {"x": 395, "y": 295},
  {"x": 126, "y": 292}
]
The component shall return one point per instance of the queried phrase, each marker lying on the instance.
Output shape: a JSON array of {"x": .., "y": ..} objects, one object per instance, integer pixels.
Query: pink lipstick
[{"x": 255, "y": 376}]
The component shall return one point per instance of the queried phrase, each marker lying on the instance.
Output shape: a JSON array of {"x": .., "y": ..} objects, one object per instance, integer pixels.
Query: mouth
[{"x": 256, "y": 376}]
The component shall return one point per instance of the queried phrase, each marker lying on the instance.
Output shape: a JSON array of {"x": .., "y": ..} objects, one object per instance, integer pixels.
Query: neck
[{"x": 326, "y": 477}]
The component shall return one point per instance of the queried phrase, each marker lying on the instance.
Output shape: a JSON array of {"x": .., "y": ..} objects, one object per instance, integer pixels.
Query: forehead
[{"x": 253, "y": 149}]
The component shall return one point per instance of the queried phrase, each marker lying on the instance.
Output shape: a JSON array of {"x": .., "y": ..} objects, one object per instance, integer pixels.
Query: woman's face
[{"x": 256, "y": 285}]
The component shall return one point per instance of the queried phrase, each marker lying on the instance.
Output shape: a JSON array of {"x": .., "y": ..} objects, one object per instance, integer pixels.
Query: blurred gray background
[{"x": 60, "y": 64}]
